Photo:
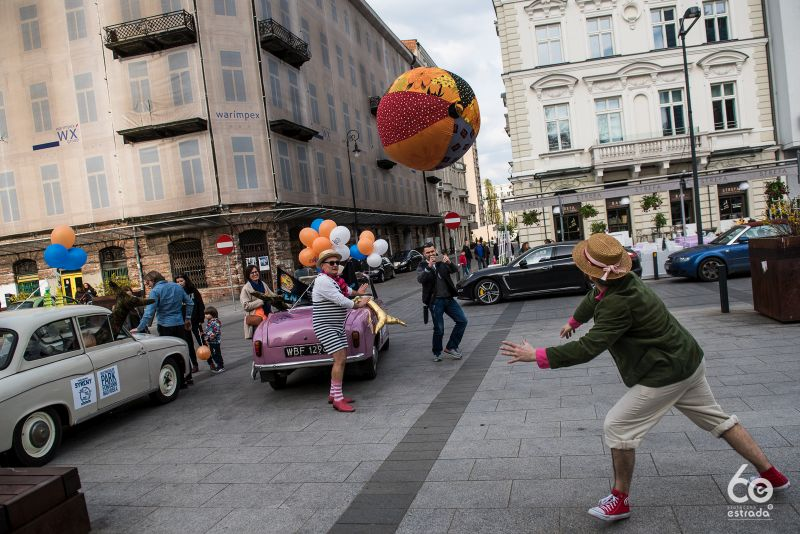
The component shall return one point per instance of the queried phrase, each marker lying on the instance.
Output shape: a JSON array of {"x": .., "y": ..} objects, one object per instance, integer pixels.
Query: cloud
[{"x": 463, "y": 40}]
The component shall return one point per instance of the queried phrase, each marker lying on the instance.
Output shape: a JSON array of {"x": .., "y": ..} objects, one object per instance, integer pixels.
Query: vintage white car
[{"x": 61, "y": 366}]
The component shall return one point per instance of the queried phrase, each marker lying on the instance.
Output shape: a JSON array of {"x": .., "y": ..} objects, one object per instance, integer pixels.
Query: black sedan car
[
  {"x": 406, "y": 260},
  {"x": 382, "y": 273},
  {"x": 541, "y": 270}
]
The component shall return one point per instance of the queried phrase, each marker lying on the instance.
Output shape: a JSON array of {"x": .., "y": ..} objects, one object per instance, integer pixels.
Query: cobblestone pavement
[{"x": 458, "y": 446}]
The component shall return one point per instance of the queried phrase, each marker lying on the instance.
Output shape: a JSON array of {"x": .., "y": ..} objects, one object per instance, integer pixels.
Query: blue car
[{"x": 729, "y": 249}]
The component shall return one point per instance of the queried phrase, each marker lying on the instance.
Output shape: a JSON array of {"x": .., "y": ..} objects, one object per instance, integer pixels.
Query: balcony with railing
[
  {"x": 165, "y": 130},
  {"x": 292, "y": 129},
  {"x": 374, "y": 102},
  {"x": 282, "y": 43},
  {"x": 151, "y": 34},
  {"x": 647, "y": 149}
]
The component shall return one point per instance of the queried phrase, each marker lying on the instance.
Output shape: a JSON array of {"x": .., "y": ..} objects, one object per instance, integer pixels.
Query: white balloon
[
  {"x": 374, "y": 260},
  {"x": 343, "y": 251},
  {"x": 380, "y": 247},
  {"x": 340, "y": 236}
]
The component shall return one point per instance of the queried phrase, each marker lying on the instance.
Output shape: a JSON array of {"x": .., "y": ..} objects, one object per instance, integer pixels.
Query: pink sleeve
[
  {"x": 541, "y": 358},
  {"x": 573, "y": 323}
]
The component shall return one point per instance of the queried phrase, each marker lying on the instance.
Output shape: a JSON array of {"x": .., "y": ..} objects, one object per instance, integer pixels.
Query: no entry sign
[
  {"x": 452, "y": 220},
  {"x": 224, "y": 244}
]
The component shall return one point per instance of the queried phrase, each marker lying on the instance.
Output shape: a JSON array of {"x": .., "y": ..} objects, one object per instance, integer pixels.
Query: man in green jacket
[{"x": 658, "y": 360}]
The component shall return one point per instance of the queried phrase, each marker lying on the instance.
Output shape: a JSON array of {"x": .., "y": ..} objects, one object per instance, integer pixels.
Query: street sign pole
[
  {"x": 230, "y": 280},
  {"x": 225, "y": 246}
]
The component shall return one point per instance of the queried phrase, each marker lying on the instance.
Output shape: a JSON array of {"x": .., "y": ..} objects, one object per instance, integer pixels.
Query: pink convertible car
[{"x": 286, "y": 342}]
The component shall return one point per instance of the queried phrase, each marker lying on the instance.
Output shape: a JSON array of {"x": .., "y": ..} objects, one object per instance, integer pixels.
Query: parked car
[
  {"x": 384, "y": 272},
  {"x": 63, "y": 365},
  {"x": 38, "y": 302},
  {"x": 285, "y": 342},
  {"x": 730, "y": 249},
  {"x": 541, "y": 270},
  {"x": 406, "y": 260}
]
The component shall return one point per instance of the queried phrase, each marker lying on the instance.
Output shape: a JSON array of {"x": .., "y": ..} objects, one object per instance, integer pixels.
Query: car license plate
[{"x": 303, "y": 350}]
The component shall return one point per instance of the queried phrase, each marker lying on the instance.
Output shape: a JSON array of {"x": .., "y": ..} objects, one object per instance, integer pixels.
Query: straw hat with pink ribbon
[{"x": 602, "y": 256}]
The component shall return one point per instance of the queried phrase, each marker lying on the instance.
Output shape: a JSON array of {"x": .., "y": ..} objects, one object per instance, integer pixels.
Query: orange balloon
[
  {"x": 326, "y": 226},
  {"x": 367, "y": 235},
  {"x": 307, "y": 257},
  {"x": 203, "y": 353},
  {"x": 321, "y": 244},
  {"x": 63, "y": 235},
  {"x": 308, "y": 235},
  {"x": 365, "y": 246}
]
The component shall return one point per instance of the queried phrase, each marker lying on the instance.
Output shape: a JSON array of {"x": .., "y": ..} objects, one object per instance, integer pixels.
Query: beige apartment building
[
  {"x": 155, "y": 126},
  {"x": 597, "y": 113}
]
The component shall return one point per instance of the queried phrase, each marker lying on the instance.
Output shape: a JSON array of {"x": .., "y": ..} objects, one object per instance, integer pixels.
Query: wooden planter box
[{"x": 775, "y": 268}]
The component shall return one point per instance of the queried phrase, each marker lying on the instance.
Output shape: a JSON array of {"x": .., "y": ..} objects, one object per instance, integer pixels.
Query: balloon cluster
[
  {"x": 61, "y": 254},
  {"x": 324, "y": 234}
]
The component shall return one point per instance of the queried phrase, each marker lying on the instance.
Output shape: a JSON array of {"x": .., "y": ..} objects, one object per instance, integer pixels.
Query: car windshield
[
  {"x": 728, "y": 236},
  {"x": 7, "y": 341},
  {"x": 400, "y": 256}
]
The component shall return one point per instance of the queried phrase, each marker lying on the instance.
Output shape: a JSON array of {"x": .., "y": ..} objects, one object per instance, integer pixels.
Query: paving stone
[
  {"x": 114, "y": 473},
  {"x": 559, "y": 492},
  {"x": 581, "y": 445},
  {"x": 443, "y": 470},
  {"x": 715, "y": 520},
  {"x": 262, "y": 521},
  {"x": 481, "y": 449},
  {"x": 515, "y": 468},
  {"x": 764, "y": 436},
  {"x": 314, "y": 495},
  {"x": 364, "y": 471},
  {"x": 697, "y": 463},
  {"x": 561, "y": 414},
  {"x": 317, "y": 472},
  {"x": 676, "y": 490},
  {"x": 168, "y": 520},
  {"x": 321, "y": 520},
  {"x": 600, "y": 465},
  {"x": 426, "y": 521},
  {"x": 362, "y": 451},
  {"x": 643, "y": 520},
  {"x": 780, "y": 417},
  {"x": 118, "y": 493},
  {"x": 244, "y": 473},
  {"x": 108, "y": 519},
  {"x": 469, "y": 494},
  {"x": 254, "y": 495},
  {"x": 181, "y": 495},
  {"x": 508, "y": 521},
  {"x": 179, "y": 456}
]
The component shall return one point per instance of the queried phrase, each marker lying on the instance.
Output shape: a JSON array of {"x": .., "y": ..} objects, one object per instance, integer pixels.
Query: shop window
[
  {"x": 675, "y": 206},
  {"x": 26, "y": 276},
  {"x": 618, "y": 215},
  {"x": 113, "y": 264},
  {"x": 732, "y": 202}
]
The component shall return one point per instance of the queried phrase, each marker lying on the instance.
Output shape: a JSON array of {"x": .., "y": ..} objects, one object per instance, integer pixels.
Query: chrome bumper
[{"x": 302, "y": 365}]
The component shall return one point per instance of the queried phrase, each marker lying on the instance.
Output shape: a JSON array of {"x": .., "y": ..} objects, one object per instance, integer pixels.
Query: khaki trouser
[{"x": 642, "y": 407}]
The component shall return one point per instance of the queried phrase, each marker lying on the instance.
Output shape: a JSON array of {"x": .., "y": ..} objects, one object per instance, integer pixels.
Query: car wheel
[
  {"x": 381, "y": 277},
  {"x": 37, "y": 437},
  {"x": 487, "y": 291},
  {"x": 368, "y": 369},
  {"x": 169, "y": 382},
  {"x": 278, "y": 382},
  {"x": 708, "y": 271}
]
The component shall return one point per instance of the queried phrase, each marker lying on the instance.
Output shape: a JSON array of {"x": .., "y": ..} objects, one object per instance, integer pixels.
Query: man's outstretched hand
[{"x": 518, "y": 353}]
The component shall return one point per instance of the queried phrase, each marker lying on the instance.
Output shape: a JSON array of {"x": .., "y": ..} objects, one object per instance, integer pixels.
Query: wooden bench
[{"x": 39, "y": 500}]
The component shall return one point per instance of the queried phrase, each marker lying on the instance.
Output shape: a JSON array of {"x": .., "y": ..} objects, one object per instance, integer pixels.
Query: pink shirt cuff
[
  {"x": 573, "y": 323},
  {"x": 541, "y": 358}
]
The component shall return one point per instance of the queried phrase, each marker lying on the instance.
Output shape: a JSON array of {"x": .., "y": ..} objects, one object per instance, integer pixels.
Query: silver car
[{"x": 61, "y": 366}]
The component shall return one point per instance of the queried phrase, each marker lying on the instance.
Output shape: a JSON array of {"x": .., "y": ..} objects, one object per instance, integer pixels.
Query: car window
[
  {"x": 564, "y": 251},
  {"x": 96, "y": 330},
  {"x": 761, "y": 231},
  {"x": 8, "y": 340},
  {"x": 414, "y": 254},
  {"x": 538, "y": 255},
  {"x": 52, "y": 339}
]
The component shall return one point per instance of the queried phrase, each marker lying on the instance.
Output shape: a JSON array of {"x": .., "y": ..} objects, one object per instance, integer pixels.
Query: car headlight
[{"x": 680, "y": 259}]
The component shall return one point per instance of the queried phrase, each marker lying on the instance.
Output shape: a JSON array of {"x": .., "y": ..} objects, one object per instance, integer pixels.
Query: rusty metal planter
[{"x": 775, "y": 268}]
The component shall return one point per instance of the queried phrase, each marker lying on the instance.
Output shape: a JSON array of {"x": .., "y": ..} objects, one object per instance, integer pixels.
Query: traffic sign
[
  {"x": 225, "y": 244},
  {"x": 452, "y": 220}
]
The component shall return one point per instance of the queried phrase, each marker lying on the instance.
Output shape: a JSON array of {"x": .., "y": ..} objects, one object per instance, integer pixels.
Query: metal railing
[
  {"x": 270, "y": 27},
  {"x": 138, "y": 28},
  {"x": 661, "y": 147}
]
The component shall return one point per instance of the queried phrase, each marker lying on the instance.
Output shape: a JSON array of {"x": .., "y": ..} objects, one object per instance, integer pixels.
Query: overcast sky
[{"x": 461, "y": 39}]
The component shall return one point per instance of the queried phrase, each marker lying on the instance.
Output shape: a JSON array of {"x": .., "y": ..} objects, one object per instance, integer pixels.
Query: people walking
[
  {"x": 252, "y": 304},
  {"x": 199, "y": 309},
  {"x": 658, "y": 359},
  {"x": 212, "y": 335},
  {"x": 174, "y": 310},
  {"x": 463, "y": 264},
  {"x": 468, "y": 253},
  {"x": 438, "y": 294},
  {"x": 330, "y": 306},
  {"x": 480, "y": 254},
  {"x": 495, "y": 252},
  {"x": 86, "y": 294}
]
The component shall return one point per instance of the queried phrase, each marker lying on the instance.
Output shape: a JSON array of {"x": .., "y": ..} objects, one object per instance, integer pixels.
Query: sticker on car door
[
  {"x": 109, "y": 381},
  {"x": 83, "y": 391}
]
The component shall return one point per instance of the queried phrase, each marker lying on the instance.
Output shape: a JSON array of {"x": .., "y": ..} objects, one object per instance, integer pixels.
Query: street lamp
[
  {"x": 683, "y": 210},
  {"x": 353, "y": 136},
  {"x": 693, "y": 13}
]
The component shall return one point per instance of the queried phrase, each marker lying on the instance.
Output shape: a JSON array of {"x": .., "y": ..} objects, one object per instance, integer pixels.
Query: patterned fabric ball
[{"x": 428, "y": 118}]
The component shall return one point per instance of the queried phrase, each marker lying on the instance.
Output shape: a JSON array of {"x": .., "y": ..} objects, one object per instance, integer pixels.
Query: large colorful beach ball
[{"x": 428, "y": 118}]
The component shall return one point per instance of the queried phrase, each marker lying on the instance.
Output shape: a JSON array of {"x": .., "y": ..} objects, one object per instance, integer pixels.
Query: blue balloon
[
  {"x": 76, "y": 257},
  {"x": 55, "y": 256},
  {"x": 355, "y": 253},
  {"x": 315, "y": 224}
]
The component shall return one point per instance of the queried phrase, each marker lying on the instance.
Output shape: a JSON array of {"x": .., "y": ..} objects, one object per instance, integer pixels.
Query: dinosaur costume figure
[{"x": 126, "y": 303}]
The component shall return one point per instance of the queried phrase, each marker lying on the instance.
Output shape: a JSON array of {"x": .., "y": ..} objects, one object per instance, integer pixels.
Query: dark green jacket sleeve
[
  {"x": 610, "y": 323},
  {"x": 585, "y": 309}
]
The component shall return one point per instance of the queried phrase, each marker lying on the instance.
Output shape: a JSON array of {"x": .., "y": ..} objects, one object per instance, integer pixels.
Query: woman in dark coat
[{"x": 199, "y": 310}]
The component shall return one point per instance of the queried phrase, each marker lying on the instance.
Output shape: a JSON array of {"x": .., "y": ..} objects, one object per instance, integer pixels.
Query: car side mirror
[
  {"x": 743, "y": 239},
  {"x": 523, "y": 264}
]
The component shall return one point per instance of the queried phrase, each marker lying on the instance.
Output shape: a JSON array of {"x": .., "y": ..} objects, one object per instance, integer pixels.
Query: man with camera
[{"x": 438, "y": 296}]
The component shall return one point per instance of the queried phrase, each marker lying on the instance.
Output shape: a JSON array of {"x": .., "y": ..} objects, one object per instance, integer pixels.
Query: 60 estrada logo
[{"x": 758, "y": 490}]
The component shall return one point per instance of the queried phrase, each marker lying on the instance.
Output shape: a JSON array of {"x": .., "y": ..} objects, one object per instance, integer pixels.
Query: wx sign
[{"x": 68, "y": 134}]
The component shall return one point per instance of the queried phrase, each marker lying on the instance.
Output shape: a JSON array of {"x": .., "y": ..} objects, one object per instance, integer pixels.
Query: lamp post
[
  {"x": 683, "y": 211},
  {"x": 352, "y": 135},
  {"x": 693, "y": 13}
]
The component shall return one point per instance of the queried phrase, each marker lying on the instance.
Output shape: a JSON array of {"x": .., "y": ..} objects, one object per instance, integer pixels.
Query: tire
[
  {"x": 381, "y": 277},
  {"x": 708, "y": 271},
  {"x": 487, "y": 291},
  {"x": 37, "y": 437},
  {"x": 368, "y": 369},
  {"x": 278, "y": 382},
  {"x": 169, "y": 382}
]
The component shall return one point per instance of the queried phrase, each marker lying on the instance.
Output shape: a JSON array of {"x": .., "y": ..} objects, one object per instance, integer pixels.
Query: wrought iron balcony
[
  {"x": 282, "y": 43},
  {"x": 163, "y": 131},
  {"x": 292, "y": 129},
  {"x": 386, "y": 163},
  {"x": 151, "y": 34},
  {"x": 374, "y": 101}
]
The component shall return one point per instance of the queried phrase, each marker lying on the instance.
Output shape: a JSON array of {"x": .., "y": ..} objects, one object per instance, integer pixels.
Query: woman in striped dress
[{"x": 330, "y": 312}]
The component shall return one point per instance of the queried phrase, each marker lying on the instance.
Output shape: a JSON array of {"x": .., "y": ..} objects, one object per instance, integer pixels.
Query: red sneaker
[
  {"x": 612, "y": 508},
  {"x": 342, "y": 406},
  {"x": 773, "y": 476},
  {"x": 348, "y": 400}
]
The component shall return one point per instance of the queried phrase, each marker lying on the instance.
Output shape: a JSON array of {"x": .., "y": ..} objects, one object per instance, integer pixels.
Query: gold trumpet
[{"x": 383, "y": 317}]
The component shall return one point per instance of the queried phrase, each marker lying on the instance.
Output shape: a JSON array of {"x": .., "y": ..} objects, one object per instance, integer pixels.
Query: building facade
[
  {"x": 154, "y": 126},
  {"x": 596, "y": 100}
]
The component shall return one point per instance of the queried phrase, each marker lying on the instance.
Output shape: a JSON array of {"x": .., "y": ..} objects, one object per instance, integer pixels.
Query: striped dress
[{"x": 330, "y": 313}]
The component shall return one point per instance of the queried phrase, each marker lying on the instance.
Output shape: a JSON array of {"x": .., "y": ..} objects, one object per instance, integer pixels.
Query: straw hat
[
  {"x": 326, "y": 254},
  {"x": 602, "y": 256}
]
